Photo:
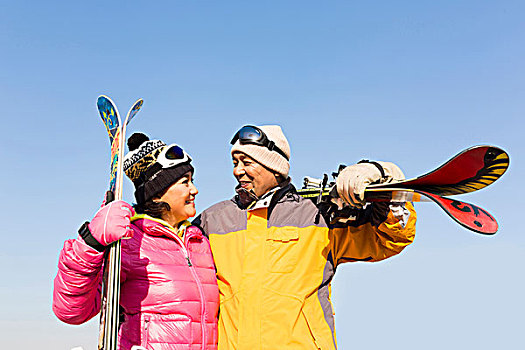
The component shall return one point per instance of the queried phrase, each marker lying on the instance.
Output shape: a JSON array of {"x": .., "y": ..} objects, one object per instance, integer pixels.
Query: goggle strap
[
  {"x": 235, "y": 138},
  {"x": 280, "y": 151},
  {"x": 270, "y": 146},
  {"x": 264, "y": 141},
  {"x": 146, "y": 175}
]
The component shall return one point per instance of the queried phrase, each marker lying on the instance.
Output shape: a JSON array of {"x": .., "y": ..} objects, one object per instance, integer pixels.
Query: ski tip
[
  {"x": 497, "y": 155},
  {"x": 134, "y": 110},
  {"x": 101, "y": 98},
  {"x": 138, "y": 104},
  {"x": 493, "y": 154},
  {"x": 466, "y": 214}
]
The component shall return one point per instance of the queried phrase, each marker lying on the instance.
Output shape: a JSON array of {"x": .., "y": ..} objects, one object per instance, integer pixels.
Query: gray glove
[{"x": 353, "y": 180}]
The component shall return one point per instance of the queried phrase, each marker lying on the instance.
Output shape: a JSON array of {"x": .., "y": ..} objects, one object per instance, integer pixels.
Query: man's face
[{"x": 252, "y": 175}]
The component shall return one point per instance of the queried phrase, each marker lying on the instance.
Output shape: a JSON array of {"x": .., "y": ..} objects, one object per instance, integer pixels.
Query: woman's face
[{"x": 181, "y": 198}]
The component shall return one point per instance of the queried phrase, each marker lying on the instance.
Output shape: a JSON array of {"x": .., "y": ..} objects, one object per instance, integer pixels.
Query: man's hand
[{"x": 353, "y": 180}]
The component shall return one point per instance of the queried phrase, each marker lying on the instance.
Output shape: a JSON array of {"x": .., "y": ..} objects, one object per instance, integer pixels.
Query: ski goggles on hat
[
  {"x": 172, "y": 155},
  {"x": 250, "y": 134}
]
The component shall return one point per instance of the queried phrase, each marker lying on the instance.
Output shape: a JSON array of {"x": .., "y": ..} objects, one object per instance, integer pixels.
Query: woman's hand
[{"x": 112, "y": 222}]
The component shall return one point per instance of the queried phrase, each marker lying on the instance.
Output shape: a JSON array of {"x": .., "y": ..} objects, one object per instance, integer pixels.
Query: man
[{"x": 276, "y": 256}]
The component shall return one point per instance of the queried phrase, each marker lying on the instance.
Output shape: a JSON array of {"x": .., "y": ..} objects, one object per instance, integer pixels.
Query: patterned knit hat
[
  {"x": 154, "y": 166},
  {"x": 270, "y": 159}
]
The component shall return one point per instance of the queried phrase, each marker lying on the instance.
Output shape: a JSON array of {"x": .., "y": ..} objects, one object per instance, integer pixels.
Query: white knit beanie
[{"x": 270, "y": 159}]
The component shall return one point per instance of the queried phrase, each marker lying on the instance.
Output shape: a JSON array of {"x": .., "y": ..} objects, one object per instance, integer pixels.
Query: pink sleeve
[{"x": 77, "y": 285}]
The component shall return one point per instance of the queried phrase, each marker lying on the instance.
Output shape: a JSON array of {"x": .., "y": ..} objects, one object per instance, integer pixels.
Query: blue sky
[{"x": 413, "y": 82}]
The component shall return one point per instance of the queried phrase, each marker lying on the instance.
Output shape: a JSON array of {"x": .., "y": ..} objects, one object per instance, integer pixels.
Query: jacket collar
[
  {"x": 158, "y": 227},
  {"x": 283, "y": 192}
]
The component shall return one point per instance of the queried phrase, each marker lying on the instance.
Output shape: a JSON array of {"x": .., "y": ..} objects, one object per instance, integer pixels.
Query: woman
[{"x": 169, "y": 295}]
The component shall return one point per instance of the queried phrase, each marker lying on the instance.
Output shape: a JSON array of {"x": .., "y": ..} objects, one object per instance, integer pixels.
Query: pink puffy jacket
[{"x": 169, "y": 292}]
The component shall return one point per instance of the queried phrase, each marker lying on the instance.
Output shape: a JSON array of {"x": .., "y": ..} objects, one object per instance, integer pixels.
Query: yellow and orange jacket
[{"x": 275, "y": 264}]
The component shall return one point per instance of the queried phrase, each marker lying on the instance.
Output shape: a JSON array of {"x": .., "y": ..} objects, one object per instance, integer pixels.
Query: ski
[
  {"x": 468, "y": 171},
  {"x": 135, "y": 108},
  {"x": 109, "y": 317},
  {"x": 111, "y": 118},
  {"x": 466, "y": 214},
  {"x": 471, "y": 170}
]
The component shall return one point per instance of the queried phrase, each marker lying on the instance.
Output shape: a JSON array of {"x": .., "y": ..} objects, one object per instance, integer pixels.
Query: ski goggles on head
[
  {"x": 250, "y": 134},
  {"x": 172, "y": 155}
]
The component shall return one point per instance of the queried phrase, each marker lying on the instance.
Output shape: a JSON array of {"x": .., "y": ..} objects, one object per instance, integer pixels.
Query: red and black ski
[
  {"x": 466, "y": 214},
  {"x": 471, "y": 170}
]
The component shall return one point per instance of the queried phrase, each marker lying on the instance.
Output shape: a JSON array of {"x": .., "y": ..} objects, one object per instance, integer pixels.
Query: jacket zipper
[
  {"x": 203, "y": 301},
  {"x": 146, "y": 333},
  {"x": 199, "y": 286}
]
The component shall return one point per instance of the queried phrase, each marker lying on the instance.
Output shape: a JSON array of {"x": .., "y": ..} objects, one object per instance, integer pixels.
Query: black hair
[{"x": 152, "y": 208}]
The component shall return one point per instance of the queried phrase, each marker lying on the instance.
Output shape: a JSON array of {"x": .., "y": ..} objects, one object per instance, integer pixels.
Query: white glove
[{"x": 353, "y": 180}]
